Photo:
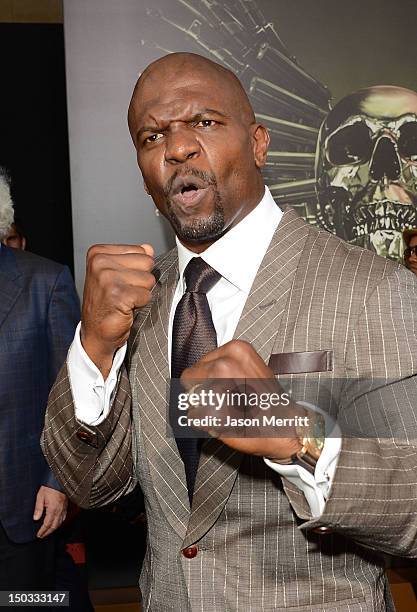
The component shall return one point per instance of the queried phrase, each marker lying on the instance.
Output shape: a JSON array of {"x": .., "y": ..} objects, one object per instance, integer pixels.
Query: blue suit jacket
[{"x": 39, "y": 310}]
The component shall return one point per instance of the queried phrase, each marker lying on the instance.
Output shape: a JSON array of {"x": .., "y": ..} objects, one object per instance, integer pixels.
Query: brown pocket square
[{"x": 301, "y": 363}]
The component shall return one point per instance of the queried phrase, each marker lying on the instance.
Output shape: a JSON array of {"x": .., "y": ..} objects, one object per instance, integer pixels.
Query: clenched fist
[
  {"x": 238, "y": 361},
  {"x": 118, "y": 280}
]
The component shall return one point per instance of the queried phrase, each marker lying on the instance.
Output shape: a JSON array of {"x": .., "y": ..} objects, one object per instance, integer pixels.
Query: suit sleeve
[
  {"x": 373, "y": 498},
  {"x": 94, "y": 465},
  {"x": 62, "y": 318}
]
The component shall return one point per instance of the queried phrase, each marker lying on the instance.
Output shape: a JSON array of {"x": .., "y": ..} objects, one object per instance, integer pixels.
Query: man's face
[
  {"x": 411, "y": 261},
  {"x": 14, "y": 239},
  {"x": 198, "y": 152}
]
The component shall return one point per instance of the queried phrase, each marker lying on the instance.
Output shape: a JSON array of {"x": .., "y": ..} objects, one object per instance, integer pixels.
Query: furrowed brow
[
  {"x": 208, "y": 111},
  {"x": 148, "y": 128}
]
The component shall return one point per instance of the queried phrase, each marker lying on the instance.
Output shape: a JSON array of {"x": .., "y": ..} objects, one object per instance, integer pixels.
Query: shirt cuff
[
  {"x": 316, "y": 487},
  {"x": 92, "y": 395}
]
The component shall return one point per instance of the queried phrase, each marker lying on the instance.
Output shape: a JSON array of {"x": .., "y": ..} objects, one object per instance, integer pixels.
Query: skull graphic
[{"x": 366, "y": 168}]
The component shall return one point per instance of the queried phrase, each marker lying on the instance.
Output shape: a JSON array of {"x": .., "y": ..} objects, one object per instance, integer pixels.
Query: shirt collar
[{"x": 238, "y": 254}]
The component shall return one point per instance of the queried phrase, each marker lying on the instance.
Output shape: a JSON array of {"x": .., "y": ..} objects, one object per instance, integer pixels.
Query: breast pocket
[{"x": 302, "y": 362}]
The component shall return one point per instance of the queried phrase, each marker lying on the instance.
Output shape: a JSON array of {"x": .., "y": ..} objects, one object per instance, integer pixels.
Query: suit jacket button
[
  {"x": 190, "y": 552},
  {"x": 323, "y": 530},
  {"x": 84, "y": 436}
]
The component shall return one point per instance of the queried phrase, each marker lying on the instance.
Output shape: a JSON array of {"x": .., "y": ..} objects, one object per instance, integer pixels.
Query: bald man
[{"x": 294, "y": 521}]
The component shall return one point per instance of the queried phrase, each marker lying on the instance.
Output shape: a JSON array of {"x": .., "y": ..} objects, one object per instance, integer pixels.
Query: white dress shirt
[{"x": 237, "y": 256}]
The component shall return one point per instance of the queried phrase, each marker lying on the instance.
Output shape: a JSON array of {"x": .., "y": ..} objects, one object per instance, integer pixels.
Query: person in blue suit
[{"x": 39, "y": 310}]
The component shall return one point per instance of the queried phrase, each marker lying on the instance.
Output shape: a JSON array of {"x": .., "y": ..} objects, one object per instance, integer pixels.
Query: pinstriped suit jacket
[{"x": 257, "y": 547}]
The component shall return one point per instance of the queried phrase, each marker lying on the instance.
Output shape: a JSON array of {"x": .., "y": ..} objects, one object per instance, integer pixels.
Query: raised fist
[{"x": 118, "y": 281}]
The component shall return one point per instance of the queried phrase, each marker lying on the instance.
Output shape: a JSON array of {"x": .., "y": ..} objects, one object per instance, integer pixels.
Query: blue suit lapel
[{"x": 10, "y": 282}]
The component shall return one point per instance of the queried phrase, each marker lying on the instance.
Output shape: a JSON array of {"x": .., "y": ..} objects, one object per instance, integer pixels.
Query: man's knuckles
[
  {"x": 247, "y": 360},
  {"x": 118, "y": 249},
  {"x": 239, "y": 349},
  {"x": 148, "y": 280},
  {"x": 235, "y": 359},
  {"x": 223, "y": 366},
  {"x": 98, "y": 260},
  {"x": 235, "y": 356},
  {"x": 122, "y": 279}
]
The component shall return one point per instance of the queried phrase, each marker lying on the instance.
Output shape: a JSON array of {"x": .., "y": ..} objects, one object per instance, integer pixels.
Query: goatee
[{"x": 198, "y": 230}]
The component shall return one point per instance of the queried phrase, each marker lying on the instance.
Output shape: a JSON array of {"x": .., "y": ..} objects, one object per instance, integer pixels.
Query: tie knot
[{"x": 199, "y": 276}]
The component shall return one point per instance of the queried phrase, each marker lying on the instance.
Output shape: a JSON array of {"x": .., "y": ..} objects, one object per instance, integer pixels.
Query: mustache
[{"x": 206, "y": 177}]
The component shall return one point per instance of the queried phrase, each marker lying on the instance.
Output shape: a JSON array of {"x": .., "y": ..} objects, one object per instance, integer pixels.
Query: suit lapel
[
  {"x": 262, "y": 314},
  {"x": 151, "y": 373},
  {"x": 10, "y": 282},
  {"x": 258, "y": 325}
]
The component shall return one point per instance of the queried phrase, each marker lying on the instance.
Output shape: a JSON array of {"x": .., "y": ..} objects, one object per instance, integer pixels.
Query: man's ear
[
  {"x": 260, "y": 137},
  {"x": 146, "y": 188}
]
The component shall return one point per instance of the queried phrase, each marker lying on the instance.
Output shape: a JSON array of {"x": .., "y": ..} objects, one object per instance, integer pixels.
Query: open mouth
[{"x": 188, "y": 190}]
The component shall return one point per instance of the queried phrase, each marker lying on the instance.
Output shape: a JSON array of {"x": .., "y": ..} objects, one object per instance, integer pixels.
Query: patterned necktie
[{"x": 193, "y": 336}]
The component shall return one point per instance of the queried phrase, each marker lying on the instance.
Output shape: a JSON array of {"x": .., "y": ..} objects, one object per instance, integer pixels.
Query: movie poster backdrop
[{"x": 346, "y": 161}]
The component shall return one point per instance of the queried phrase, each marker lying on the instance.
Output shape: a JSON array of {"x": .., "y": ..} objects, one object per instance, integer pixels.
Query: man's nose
[
  {"x": 181, "y": 146},
  {"x": 385, "y": 162}
]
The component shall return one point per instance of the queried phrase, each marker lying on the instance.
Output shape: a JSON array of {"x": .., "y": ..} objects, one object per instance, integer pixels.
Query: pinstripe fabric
[{"x": 257, "y": 550}]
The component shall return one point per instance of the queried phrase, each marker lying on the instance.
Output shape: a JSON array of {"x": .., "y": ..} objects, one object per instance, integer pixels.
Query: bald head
[
  {"x": 198, "y": 145},
  {"x": 177, "y": 68}
]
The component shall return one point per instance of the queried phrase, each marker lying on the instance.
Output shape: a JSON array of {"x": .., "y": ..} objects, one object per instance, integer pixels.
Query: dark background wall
[
  {"x": 350, "y": 45},
  {"x": 33, "y": 134}
]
